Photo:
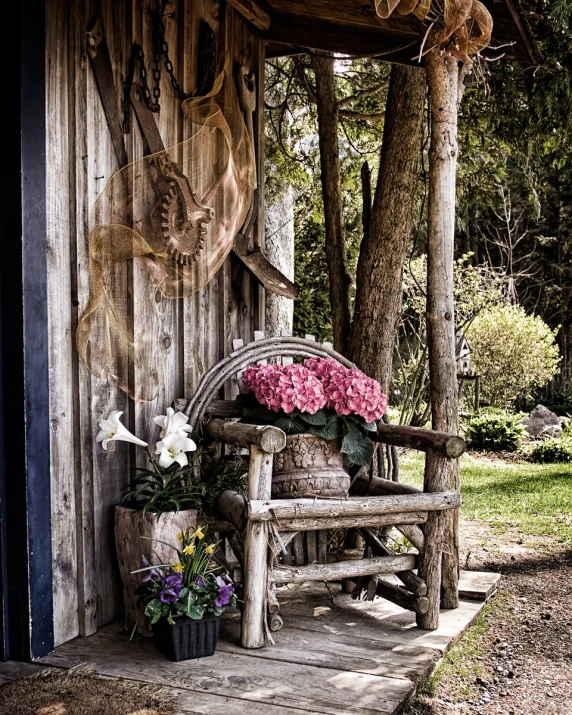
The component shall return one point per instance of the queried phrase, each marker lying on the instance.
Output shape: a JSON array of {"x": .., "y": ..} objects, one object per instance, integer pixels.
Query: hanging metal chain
[
  {"x": 163, "y": 47},
  {"x": 152, "y": 97}
]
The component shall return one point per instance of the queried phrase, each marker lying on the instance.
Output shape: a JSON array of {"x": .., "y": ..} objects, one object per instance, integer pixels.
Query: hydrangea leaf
[
  {"x": 291, "y": 424},
  {"x": 319, "y": 418},
  {"x": 330, "y": 430},
  {"x": 358, "y": 447}
]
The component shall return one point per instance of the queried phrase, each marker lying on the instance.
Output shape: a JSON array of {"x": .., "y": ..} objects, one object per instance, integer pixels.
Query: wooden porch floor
[{"x": 334, "y": 656}]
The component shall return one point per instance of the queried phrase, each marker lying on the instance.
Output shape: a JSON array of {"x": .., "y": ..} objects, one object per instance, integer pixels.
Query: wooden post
[
  {"x": 438, "y": 564},
  {"x": 256, "y": 554}
]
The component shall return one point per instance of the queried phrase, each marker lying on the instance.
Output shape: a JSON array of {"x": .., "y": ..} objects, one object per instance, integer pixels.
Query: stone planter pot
[
  {"x": 130, "y": 527},
  {"x": 309, "y": 466}
]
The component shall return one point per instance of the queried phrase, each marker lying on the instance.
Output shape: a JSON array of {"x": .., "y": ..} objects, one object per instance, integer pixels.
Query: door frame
[{"x": 25, "y": 513}]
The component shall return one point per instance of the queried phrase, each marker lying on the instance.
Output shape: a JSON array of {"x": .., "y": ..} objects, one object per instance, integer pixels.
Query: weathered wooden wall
[{"x": 192, "y": 333}]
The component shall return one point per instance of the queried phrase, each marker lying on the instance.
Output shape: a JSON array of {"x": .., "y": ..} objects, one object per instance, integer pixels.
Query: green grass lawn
[{"x": 534, "y": 498}]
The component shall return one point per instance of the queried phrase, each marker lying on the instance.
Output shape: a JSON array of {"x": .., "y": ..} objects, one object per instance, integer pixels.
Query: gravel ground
[{"x": 521, "y": 660}]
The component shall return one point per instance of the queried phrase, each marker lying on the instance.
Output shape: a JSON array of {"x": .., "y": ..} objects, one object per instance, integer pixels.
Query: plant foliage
[
  {"x": 189, "y": 587},
  {"x": 550, "y": 451},
  {"x": 160, "y": 490},
  {"x": 495, "y": 430},
  {"x": 512, "y": 352}
]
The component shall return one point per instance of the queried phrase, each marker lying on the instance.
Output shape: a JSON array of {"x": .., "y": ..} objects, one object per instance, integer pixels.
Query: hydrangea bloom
[
  {"x": 356, "y": 393},
  {"x": 349, "y": 391},
  {"x": 320, "y": 382},
  {"x": 285, "y": 387}
]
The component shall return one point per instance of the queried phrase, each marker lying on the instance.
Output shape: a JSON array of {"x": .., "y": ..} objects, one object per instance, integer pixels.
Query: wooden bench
[{"x": 258, "y": 526}]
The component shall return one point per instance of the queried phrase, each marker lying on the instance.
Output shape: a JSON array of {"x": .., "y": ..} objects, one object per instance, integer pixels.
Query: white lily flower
[
  {"x": 112, "y": 430},
  {"x": 172, "y": 422},
  {"x": 172, "y": 448}
]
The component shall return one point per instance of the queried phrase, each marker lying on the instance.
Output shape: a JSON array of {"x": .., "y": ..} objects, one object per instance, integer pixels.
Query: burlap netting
[
  {"x": 173, "y": 216},
  {"x": 466, "y": 25}
]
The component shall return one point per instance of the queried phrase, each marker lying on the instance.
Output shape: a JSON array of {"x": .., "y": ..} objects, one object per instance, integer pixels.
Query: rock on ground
[{"x": 538, "y": 419}]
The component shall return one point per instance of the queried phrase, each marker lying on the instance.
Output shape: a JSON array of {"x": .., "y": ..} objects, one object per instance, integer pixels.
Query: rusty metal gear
[{"x": 184, "y": 226}]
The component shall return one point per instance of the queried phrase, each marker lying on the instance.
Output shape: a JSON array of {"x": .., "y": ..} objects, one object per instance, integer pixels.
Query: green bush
[
  {"x": 495, "y": 430},
  {"x": 514, "y": 353},
  {"x": 550, "y": 450}
]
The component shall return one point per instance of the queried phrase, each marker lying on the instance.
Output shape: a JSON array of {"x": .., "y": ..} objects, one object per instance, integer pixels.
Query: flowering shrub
[
  {"x": 321, "y": 397},
  {"x": 285, "y": 388},
  {"x": 189, "y": 587},
  {"x": 167, "y": 486}
]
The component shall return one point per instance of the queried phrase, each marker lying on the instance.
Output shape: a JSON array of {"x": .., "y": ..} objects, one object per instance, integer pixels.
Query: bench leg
[
  {"x": 255, "y": 585},
  {"x": 256, "y": 555}
]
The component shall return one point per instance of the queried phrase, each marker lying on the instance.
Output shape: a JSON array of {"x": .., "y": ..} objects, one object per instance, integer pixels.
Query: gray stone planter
[{"x": 309, "y": 466}]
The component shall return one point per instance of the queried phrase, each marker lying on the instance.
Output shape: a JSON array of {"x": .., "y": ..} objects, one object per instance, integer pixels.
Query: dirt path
[{"x": 519, "y": 662}]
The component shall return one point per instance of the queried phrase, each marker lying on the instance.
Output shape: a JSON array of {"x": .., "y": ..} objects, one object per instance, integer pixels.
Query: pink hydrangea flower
[
  {"x": 320, "y": 382},
  {"x": 285, "y": 387},
  {"x": 327, "y": 369},
  {"x": 349, "y": 391}
]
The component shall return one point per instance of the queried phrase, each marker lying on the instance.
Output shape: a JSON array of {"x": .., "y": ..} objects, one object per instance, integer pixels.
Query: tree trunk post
[
  {"x": 340, "y": 280},
  {"x": 390, "y": 221},
  {"x": 439, "y": 563}
]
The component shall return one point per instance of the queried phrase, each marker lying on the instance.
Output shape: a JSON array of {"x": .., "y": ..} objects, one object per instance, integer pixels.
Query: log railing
[{"x": 450, "y": 446}]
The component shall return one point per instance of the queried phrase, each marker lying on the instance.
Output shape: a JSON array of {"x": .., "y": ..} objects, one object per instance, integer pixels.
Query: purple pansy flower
[
  {"x": 168, "y": 595},
  {"x": 199, "y": 580},
  {"x": 151, "y": 573},
  {"x": 225, "y": 591},
  {"x": 174, "y": 580},
  {"x": 172, "y": 585}
]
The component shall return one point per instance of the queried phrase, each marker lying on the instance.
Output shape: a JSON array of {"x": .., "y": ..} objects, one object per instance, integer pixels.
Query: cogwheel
[{"x": 184, "y": 229}]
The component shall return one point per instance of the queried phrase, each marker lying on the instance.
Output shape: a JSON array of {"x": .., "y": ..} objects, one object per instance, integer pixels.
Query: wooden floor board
[
  {"x": 243, "y": 677},
  {"x": 338, "y": 652},
  {"x": 478, "y": 585},
  {"x": 335, "y": 656},
  {"x": 378, "y": 620}
]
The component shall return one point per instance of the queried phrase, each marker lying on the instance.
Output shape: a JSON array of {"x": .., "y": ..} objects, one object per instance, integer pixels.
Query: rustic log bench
[{"x": 260, "y": 522}]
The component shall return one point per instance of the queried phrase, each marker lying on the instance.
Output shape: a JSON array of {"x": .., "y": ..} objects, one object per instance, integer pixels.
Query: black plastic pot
[{"x": 187, "y": 638}]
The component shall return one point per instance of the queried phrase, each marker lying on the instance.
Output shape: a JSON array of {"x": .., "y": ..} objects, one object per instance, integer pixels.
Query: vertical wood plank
[
  {"x": 156, "y": 318},
  {"x": 298, "y": 547},
  {"x": 110, "y": 469},
  {"x": 62, "y": 442},
  {"x": 311, "y": 547},
  {"x": 203, "y": 313},
  {"x": 79, "y": 218},
  {"x": 323, "y": 546}
]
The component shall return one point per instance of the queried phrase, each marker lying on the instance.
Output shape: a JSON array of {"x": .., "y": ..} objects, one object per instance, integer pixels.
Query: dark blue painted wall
[{"x": 26, "y": 514}]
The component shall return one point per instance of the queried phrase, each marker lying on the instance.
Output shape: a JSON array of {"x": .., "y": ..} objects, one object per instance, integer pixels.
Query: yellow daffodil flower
[
  {"x": 210, "y": 549},
  {"x": 180, "y": 536},
  {"x": 199, "y": 533},
  {"x": 178, "y": 567},
  {"x": 189, "y": 550}
]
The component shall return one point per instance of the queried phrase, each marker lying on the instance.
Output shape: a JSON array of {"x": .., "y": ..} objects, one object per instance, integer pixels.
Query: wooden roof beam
[
  {"x": 333, "y": 37},
  {"x": 252, "y": 12}
]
